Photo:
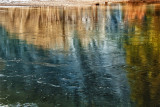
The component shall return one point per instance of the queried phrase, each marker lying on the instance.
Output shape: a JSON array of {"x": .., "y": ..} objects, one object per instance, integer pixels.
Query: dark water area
[{"x": 80, "y": 56}]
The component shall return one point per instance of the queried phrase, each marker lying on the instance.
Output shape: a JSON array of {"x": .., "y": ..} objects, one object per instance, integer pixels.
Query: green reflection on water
[{"x": 142, "y": 56}]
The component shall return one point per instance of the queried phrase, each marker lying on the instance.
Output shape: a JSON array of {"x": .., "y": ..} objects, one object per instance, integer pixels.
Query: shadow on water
[{"x": 79, "y": 56}]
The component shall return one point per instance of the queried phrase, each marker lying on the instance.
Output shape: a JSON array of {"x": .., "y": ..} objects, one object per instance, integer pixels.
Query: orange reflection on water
[
  {"x": 134, "y": 11},
  {"x": 52, "y": 27}
]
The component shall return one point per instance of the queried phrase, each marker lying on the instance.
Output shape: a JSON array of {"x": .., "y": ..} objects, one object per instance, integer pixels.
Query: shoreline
[
  {"x": 75, "y": 3},
  {"x": 53, "y": 3}
]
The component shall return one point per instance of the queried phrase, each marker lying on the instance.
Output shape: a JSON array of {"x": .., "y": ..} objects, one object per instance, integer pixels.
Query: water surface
[{"x": 80, "y": 56}]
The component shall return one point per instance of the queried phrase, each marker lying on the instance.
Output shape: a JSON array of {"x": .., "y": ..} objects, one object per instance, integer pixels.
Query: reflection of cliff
[
  {"x": 52, "y": 28},
  {"x": 90, "y": 75},
  {"x": 143, "y": 58}
]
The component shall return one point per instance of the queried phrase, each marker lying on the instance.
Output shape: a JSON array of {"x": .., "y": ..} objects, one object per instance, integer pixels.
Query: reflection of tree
[
  {"x": 134, "y": 11},
  {"x": 143, "y": 58}
]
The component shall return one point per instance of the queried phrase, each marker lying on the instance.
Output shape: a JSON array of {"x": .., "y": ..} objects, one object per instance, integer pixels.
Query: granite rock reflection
[{"x": 54, "y": 27}]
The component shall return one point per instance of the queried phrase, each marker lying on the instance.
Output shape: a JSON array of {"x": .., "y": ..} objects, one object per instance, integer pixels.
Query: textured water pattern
[{"x": 80, "y": 56}]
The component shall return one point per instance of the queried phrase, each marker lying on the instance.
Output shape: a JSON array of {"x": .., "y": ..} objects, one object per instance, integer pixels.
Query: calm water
[{"x": 80, "y": 56}]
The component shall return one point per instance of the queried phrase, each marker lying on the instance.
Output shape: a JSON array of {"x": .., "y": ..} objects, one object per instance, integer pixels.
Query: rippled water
[{"x": 80, "y": 56}]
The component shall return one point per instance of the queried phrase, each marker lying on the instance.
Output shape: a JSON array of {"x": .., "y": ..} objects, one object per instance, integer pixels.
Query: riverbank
[
  {"x": 53, "y": 3},
  {"x": 70, "y": 2}
]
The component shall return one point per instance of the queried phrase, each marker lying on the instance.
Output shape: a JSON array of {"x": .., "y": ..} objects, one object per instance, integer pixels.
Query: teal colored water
[{"x": 80, "y": 56}]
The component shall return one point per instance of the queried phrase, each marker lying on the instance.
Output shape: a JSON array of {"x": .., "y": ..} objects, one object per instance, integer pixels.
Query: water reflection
[
  {"x": 142, "y": 55},
  {"x": 78, "y": 56},
  {"x": 61, "y": 57},
  {"x": 53, "y": 27},
  {"x": 2, "y": 64}
]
